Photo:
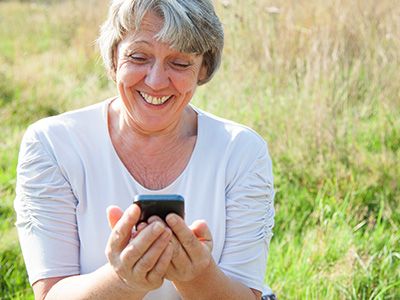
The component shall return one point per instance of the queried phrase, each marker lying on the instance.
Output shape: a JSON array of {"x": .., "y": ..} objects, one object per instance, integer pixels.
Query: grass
[{"x": 318, "y": 79}]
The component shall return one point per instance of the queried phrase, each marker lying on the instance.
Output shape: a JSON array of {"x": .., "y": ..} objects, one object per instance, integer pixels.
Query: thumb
[
  {"x": 202, "y": 232},
  {"x": 114, "y": 213}
]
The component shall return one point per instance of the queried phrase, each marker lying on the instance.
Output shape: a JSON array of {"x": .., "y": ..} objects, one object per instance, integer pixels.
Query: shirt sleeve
[
  {"x": 45, "y": 206},
  {"x": 249, "y": 216}
]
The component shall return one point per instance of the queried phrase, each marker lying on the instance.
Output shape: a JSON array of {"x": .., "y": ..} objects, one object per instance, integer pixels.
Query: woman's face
[{"x": 155, "y": 82}]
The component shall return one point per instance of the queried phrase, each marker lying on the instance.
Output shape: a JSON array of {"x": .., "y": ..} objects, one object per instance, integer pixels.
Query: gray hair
[{"x": 190, "y": 26}]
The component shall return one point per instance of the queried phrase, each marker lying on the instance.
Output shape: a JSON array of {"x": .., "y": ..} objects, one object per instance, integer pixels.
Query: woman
[{"x": 147, "y": 140}]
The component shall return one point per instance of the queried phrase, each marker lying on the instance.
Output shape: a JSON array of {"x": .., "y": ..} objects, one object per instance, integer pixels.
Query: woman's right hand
[{"x": 140, "y": 260}]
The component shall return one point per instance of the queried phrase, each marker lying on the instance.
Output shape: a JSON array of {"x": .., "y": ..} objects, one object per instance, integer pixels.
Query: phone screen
[{"x": 160, "y": 205}]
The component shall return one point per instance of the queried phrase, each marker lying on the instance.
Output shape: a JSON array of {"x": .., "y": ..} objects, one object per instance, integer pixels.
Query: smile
[{"x": 154, "y": 100}]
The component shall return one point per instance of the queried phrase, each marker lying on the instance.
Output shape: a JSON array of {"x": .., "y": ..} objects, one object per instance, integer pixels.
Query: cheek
[
  {"x": 184, "y": 83},
  {"x": 129, "y": 75}
]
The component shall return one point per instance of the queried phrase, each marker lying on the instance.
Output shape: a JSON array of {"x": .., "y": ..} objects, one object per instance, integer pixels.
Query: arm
[
  {"x": 136, "y": 265},
  {"x": 194, "y": 272},
  {"x": 249, "y": 220},
  {"x": 214, "y": 284},
  {"x": 249, "y": 216},
  {"x": 48, "y": 233},
  {"x": 101, "y": 284}
]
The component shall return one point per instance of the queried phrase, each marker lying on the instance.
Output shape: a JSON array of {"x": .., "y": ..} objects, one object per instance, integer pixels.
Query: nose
[{"x": 156, "y": 77}]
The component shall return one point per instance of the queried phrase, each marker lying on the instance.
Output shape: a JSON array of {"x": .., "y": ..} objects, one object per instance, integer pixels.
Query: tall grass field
[{"x": 318, "y": 79}]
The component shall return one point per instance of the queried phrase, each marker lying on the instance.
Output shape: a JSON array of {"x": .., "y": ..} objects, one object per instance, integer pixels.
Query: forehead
[
  {"x": 146, "y": 36},
  {"x": 151, "y": 23},
  {"x": 149, "y": 27}
]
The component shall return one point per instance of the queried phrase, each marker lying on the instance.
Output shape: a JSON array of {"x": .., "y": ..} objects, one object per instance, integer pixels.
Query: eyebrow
[
  {"x": 135, "y": 43},
  {"x": 142, "y": 42}
]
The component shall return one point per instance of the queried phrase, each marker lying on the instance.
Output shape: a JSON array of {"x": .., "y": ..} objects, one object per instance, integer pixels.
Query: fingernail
[
  {"x": 158, "y": 227},
  {"x": 153, "y": 219},
  {"x": 141, "y": 226},
  {"x": 172, "y": 219}
]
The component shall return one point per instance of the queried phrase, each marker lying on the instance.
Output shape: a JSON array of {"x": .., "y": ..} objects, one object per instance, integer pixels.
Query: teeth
[{"x": 154, "y": 100}]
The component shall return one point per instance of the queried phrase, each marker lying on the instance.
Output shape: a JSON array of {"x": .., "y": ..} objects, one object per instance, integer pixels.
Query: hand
[
  {"x": 192, "y": 249},
  {"x": 142, "y": 259}
]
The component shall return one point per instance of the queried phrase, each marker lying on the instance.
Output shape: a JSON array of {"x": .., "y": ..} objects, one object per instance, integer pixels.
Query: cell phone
[{"x": 159, "y": 205}]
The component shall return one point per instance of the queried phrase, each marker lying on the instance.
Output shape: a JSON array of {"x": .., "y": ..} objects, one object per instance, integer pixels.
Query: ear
[
  {"x": 202, "y": 73},
  {"x": 115, "y": 56},
  {"x": 113, "y": 71}
]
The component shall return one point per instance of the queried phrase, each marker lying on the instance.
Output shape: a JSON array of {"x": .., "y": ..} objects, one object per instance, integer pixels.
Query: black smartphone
[{"x": 159, "y": 205}]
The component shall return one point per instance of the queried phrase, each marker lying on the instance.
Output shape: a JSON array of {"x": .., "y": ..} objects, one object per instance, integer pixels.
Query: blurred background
[{"x": 318, "y": 79}]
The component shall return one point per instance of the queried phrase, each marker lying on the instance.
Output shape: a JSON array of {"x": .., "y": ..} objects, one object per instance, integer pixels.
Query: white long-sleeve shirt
[{"x": 69, "y": 173}]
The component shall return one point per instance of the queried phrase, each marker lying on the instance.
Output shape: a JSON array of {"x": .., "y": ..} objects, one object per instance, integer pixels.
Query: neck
[{"x": 151, "y": 143}]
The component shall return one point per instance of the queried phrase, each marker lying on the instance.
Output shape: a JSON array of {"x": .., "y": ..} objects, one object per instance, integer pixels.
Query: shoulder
[
  {"x": 65, "y": 138},
  {"x": 67, "y": 124},
  {"x": 244, "y": 152},
  {"x": 66, "y": 142},
  {"x": 236, "y": 137},
  {"x": 75, "y": 118}
]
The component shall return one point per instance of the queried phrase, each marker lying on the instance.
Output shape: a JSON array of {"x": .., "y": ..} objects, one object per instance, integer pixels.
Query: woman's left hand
[{"x": 192, "y": 248}]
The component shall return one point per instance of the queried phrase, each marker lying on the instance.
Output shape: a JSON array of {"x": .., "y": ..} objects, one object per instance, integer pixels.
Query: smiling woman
[
  {"x": 155, "y": 81},
  {"x": 148, "y": 139}
]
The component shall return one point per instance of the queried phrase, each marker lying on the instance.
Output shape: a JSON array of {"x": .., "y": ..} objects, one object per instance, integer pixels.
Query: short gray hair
[{"x": 190, "y": 26}]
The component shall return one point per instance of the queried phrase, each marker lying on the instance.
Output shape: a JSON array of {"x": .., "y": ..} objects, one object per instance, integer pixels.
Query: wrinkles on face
[{"x": 149, "y": 71}]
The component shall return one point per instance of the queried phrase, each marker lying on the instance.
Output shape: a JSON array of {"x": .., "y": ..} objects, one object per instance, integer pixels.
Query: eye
[
  {"x": 180, "y": 64},
  {"x": 138, "y": 57}
]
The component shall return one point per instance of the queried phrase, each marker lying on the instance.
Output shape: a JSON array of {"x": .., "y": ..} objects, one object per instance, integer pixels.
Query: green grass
[{"x": 318, "y": 79}]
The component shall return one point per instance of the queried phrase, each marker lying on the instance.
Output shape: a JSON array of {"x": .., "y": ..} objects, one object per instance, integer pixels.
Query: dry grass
[{"x": 318, "y": 79}]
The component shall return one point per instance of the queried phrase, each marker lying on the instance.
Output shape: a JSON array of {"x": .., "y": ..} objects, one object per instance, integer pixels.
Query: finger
[
  {"x": 114, "y": 213},
  {"x": 184, "y": 235},
  {"x": 178, "y": 254},
  {"x": 122, "y": 231},
  {"x": 142, "y": 225},
  {"x": 141, "y": 243},
  {"x": 155, "y": 218},
  {"x": 202, "y": 232},
  {"x": 181, "y": 264},
  {"x": 152, "y": 255},
  {"x": 139, "y": 228},
  {"x": 180, "y": 258},
  {"x": 162, "y": 265},
  {"x": 176, "y": 246}
]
